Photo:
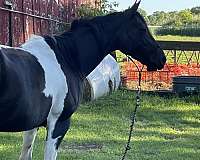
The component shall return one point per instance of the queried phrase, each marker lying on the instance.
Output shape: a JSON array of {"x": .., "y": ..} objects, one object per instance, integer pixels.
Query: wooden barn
[{"x": 19, "y": 19}]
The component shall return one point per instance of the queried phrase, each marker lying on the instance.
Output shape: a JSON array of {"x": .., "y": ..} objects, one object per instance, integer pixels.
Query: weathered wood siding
[{"x": 25, "y": 17}]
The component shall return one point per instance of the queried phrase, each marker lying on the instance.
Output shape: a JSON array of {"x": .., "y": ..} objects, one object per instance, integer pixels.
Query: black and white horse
[{"x": 41, "y": 82}]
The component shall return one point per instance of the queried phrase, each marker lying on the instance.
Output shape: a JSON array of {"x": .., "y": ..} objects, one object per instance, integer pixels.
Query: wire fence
[{"x": 183, "y": 58}]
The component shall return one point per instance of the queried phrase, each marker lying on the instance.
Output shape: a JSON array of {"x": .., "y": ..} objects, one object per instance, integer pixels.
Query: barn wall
[
  {"x": 4, "y": 25},
  {"x": 26, "y": 17}
]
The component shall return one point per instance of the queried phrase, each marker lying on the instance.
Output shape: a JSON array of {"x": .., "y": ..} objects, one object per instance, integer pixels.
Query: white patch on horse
[
  {"x": 54, "y": 76},
  {"x": 55, "y": 86},
  {"x": 50, "y": 149}
]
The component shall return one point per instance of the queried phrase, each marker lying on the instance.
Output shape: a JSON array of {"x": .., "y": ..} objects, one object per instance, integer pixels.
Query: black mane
[
  {"x": 65, "y": 48},
  {"x": 98, "y": 20}
]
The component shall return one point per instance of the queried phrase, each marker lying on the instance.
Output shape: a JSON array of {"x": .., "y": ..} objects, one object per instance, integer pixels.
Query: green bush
[{"x": 182, "y": 31}]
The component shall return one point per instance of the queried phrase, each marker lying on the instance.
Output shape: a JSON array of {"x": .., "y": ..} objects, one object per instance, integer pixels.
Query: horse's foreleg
[
  {"x": 50, "y": 149},
  {"x": 55, "y": 133},
  {"x": 28, "y": 140}
]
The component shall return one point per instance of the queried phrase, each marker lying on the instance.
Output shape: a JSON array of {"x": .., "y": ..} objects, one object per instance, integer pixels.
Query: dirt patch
[
  {"x": 149, "y": 86},
  {"x": 81, "y": 147},
  {"x": 170, "y": 137}
]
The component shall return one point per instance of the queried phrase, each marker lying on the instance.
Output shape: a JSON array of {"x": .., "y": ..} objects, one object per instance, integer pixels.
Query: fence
[
  {"x": 183, "y": 58},
  {"x": 21, "y": 18}
]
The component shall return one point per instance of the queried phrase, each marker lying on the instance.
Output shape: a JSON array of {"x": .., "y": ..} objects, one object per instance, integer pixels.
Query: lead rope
[{"x": 133, "y": 117}]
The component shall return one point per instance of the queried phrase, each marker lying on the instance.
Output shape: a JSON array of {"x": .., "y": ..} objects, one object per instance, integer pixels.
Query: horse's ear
[
  {"x": 131, "y": 11},
  {"x": 136, "y": 5}
]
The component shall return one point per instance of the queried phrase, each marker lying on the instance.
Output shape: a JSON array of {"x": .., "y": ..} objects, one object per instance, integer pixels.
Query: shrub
[{"x": 182, "y": 31}]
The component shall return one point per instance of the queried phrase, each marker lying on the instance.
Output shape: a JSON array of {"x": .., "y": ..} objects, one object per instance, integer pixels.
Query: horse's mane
[
  {"x": 141, "y": 17},
  {"x": 98, "y": 20}
]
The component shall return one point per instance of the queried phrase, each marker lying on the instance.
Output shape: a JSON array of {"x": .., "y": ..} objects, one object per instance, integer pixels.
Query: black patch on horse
[{"x": 23, "y": 103}]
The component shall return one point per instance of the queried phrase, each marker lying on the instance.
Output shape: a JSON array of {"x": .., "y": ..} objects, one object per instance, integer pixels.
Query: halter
[{"x": 133, "y": 116}]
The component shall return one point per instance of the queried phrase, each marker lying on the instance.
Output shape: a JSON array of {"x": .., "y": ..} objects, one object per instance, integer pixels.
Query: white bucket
[{"x": 104, "y": 78}]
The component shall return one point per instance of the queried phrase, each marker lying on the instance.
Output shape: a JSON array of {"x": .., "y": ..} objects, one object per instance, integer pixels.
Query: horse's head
[{"x": 135, "y": 40}]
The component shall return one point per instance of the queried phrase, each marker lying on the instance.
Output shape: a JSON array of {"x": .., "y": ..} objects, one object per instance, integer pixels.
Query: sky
[{"x": 151, "y": 6}]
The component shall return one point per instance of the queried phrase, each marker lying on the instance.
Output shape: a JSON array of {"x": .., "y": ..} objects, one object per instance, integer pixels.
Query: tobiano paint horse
[{"x": 41, "y": 82}]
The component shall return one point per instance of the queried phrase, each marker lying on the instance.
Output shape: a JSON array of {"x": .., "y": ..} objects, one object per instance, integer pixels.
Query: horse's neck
[{"x": 92, "y": 48}]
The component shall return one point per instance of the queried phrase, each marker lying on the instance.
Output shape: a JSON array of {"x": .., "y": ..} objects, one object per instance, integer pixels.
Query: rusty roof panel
[
  {"x": 23, "y": 25},
  {"x": 28, "y": 21},
  {"x": 45, "y": 29},
  {"x": 37, "y": 26},
  {"x": 43, "y": 8},
  {"x": 36, "y": 7},
  {"x": 17, "y": 5},
  {"x": 1, "y": 3},
  {"x": 17, "y": 29},
  {"x": 4, "y": 27}
]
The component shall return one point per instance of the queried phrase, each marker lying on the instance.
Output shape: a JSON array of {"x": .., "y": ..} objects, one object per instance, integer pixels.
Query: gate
[{"x": 183, "y": 58}]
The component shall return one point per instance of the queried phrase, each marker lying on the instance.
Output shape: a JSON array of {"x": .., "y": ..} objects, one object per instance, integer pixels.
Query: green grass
[
  {"x": 166, "y": 129},
  {"x": 177, "y": 38}
]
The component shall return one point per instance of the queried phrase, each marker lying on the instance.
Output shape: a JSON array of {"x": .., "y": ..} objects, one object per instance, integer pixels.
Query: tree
[
  {"x": 158, "y": 18},
  {"x": 185, "y": 16},
  {"x": 195, "y": 10},
  {"x": 108, "y": 7},
  {"x": 88, "y": 10},
  {"x": 173, "y": 23}
]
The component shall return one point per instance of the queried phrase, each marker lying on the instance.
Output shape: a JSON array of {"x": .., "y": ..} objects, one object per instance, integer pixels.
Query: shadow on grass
[
  {"x": 141, "y": 149},
  {"x": 176, "y": 148},
  {"x": 166, "y": 128},
  {"x": 185, "y": 97},
  {"x": 172, "y": 118}
]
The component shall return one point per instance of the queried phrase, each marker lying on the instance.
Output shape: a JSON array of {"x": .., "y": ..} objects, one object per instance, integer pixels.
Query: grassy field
[
  {"x": 166, "y": 129},
  {"x": 177, "y": 38}
]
